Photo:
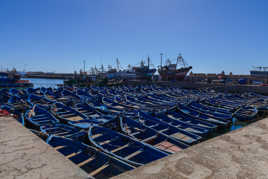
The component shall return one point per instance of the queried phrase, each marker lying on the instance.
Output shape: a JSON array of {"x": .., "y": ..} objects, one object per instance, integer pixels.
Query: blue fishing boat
[
  {"x": 150, "y": 136},
  {"x": 21, "y": 94},
  {"x": 123, "y": 147},
  {"x": 210, "y": 112},
  {"x": 4, "y": 96},
  {"x": 96, "y": 163},
  {"x": 202, "y": 131},
  {"x": 63, "y": 130},
  {"x": 95, "y": 113},
  {"x": 38, "y": 116},
  {"x": 169, "y": 130},
  {"x": 177, "y": 114},
  {"x": 203, "y": 116},
  {"x": 16, "y": 105},
  {"x": 211, "y": 108},
  {"x": 34, "y": 99},
  {"x": 71, "y": 116},
  {"x": 246, "y": 113}
]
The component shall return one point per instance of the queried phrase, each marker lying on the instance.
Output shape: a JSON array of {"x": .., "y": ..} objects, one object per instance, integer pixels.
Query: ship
[
  {"x": 144, "y": 72},
  {"x": 171, "y": 72},
  {"x": 141, "y": 73},
  {"x": 12, "y": 79}
]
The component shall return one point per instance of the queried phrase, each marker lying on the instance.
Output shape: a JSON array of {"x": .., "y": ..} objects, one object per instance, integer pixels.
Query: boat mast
[
  {"x": 183, "y": 62},
  {"x": 102, "y": 68},
  {"x": 84, "y": 62},
  {"x": 117, "y": 64},
  {"x": 180, "y": 59},
  {"x": 148, "y": 60},
  {"x": 161, "y": 59}
]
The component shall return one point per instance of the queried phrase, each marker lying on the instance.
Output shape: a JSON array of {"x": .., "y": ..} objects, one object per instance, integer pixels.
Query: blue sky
[{"x": 57, "y": 35}]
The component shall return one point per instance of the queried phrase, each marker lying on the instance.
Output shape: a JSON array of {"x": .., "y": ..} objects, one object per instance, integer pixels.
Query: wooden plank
[
  {"x": 59, "y": 147},
  {"x": 152, "y": 126},
  {"x": 135, "y": 133},
  {"x": 163, "y": 130},
  {"x": 119, "y": 148},
  {"x": 104, "y": 142},
  {"x": 191, "y": 130},
  {"x": 95, "y": 172},
  {"x": 182, "y": 136},
  {"x": 71, "y": 155},
  {"x": 86, "y": 161},
  {"x": 61, "y": 133},
  {"x": 96, "y": 135},
  {"x": 74, "y": 118},
  {"x": 149, "y": 138},
  {"x": 133, "y": 154}
]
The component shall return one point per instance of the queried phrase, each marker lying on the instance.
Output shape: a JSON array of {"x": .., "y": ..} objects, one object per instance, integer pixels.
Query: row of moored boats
[{"x": 109, "y": 130}]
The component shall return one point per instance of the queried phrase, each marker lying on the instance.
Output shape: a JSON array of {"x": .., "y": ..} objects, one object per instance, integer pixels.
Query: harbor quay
[{"x": 25, "y": 155}]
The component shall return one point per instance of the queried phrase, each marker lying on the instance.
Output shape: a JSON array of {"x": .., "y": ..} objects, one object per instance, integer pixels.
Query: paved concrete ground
[
  {"x": 240, "y": 154},
  {"x": 24, "y": 155}
]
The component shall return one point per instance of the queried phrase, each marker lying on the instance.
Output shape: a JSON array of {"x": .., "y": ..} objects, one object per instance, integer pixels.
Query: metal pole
[
  {"x": 161, "y": 58},
  {"x": 84, "y": 66}
]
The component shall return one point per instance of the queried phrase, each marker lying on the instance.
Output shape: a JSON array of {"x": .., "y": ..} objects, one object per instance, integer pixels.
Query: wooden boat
[
  {"x": 177, "y": 114},
  {"x": 214, "y": 114},
  {"x": 96, "y": 163},
  {"x": 70, "y": 116},
  {"x": 123, "y": 147},
  {"x": 63, "y": 130},
  {"x": 150, "y": 136},
  {"x": 35, "y": 91},
  {"x": 41, "y": 100},
  {"x": 63, "y": 96},
  {"x": 110, "y": 102},
  {"x": 16, "y": 106},
  {"x": 211, "y": 108},
  {"x": 21, "y": 94},
  {"x": 85, "y": 96},
  {"x": 203, "y": 116},
  {"x": 38, "y": 117},
  {"x": 169, "y": 130},
  {"x": 246, "y": 113},
  {"x": 4, "y": 96},
  {"x": 98, "y": 116},
  {"x": 182, "y": 125}
]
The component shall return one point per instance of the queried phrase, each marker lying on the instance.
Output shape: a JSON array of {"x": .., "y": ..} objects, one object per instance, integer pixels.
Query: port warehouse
[{"x": 234, "y": 78}]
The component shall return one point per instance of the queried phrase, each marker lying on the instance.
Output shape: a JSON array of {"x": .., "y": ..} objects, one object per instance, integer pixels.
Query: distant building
[
  {"x": 256, "y": 73},
  {"x": 260, "y": 74}
]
